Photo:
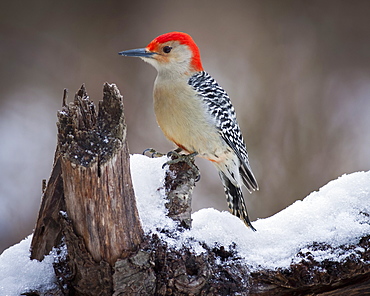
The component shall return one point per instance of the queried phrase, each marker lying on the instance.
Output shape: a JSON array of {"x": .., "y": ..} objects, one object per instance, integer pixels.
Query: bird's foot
[
  {"x": 176, "y": 157},
  {"x": 153, "y": 153}
]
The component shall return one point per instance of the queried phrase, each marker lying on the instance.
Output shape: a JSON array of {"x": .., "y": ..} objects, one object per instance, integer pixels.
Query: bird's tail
[{"x": 235, "y": 200}]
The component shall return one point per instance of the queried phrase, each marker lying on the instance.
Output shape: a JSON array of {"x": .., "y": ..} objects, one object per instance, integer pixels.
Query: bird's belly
[
  {"x": 185, "y": 122},
  {"x": 192, "y": 138}
]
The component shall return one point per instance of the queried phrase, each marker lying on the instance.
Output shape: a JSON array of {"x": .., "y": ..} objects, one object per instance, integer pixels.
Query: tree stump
[{"x": 89, "y": 199}]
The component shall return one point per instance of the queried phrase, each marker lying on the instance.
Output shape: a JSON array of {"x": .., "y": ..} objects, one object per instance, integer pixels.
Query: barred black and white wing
[
  {"x": 220, "y": 107},
  {"x": 223, "y": 115}
]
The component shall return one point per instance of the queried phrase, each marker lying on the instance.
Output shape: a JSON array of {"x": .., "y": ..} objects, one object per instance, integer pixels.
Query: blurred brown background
[{"x": 298, "y": 73}]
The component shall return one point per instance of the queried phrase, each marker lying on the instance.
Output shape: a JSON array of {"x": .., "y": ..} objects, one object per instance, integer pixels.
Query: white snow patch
[
  {"x": 333, "y": 215},
  {"x": 19, "y": 274},
  {"x": 148, "y": 180}
]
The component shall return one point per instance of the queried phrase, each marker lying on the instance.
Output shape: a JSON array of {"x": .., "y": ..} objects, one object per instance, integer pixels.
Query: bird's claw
[
  {"x": 176, "y": 157},
  {"x": 187, "y": 158},
  {"x": 153, "y": 153},
  {"x": 197, "y": 178}
]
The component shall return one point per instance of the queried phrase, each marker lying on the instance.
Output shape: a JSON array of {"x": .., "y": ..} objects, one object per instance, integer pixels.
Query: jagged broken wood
[
  {"x": 88, "y": 207},
  {"x": 90, "y": 195}
]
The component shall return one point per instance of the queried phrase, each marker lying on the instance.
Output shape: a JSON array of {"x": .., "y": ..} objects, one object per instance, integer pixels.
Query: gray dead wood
[{"x": 89, "y": 203}]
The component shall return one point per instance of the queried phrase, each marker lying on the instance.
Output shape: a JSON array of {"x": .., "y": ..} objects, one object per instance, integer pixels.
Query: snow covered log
[{"x": 316, "y": 246}]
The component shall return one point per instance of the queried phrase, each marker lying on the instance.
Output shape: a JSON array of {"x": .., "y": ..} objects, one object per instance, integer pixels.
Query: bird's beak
[{"x": 140, "y": 52}]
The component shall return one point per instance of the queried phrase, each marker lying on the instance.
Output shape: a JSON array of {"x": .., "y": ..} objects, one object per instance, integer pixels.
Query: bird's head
[{"x": 174, "y": 52}]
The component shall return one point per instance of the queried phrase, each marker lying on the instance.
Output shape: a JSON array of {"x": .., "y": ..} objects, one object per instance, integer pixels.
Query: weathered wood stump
[{"x": 89, "y": 200}]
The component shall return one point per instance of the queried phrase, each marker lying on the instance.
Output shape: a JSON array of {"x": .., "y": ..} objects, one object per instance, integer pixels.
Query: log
[
  {"x": 310, "y": 277},
  {"x": 88, "y": 215}
]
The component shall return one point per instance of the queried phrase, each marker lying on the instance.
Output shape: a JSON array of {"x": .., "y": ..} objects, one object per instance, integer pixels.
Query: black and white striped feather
[
  {"x": 219, "y": 105},
  {"x": 223, "y": 113}
]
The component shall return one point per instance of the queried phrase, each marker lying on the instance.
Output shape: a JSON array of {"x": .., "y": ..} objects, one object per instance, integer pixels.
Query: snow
[
  {"x": 337, "y": 214},
  {"x": 19, "y": 274},
  {"x": 331, "y": 215},
  {"x": 148, "y": 180}
]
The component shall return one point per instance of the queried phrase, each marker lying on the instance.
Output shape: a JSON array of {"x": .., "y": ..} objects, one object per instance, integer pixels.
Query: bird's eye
[{"x": 167, "y": 49}]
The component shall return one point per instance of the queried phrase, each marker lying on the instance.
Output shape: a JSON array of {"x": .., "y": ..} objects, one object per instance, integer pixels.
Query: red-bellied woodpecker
[{"x": 196, "y": 114}]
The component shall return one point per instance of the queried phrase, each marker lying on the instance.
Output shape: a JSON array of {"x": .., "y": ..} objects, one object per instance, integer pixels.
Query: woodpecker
[{"x": 196, "y": 114}]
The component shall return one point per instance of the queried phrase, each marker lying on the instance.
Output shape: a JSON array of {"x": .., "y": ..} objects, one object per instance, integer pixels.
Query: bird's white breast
[{"x": 183, "y": 118}]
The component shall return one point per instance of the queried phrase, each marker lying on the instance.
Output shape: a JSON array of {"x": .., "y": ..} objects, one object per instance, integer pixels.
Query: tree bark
[
  {"x": 48, "y": 230},
  {"x": 97, "y": 184},
  {"x": 88, "y": 214},
  {"x": 89, "y": 200},
  {"x": 179, "y": 183}
]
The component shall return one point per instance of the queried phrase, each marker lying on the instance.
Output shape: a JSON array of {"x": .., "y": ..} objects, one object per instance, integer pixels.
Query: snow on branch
[{"x": 316, "y": 244}]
